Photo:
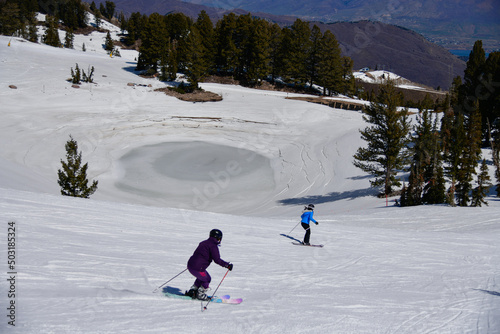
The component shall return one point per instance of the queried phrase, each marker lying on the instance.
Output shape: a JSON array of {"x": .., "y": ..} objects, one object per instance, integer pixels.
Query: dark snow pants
[{"x": 308, "y": 232}]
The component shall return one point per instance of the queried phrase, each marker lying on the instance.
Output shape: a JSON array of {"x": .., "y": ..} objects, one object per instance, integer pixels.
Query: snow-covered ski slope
[{"x": 169, "y": 171}]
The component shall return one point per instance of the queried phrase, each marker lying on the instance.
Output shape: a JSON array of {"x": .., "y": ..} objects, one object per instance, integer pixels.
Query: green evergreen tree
[
  {"x": 207, "y": 47},
  {"x": 490, "y": 95},
  {"x": 483, "y": 185},
  {"x": 109, "y": 45},
  {"x": 312, "y": 64},
  {"x": 227, "y": 51},
  {"x": 110, "y": 9},
  {"x": 454, "y": 139},
  {"x": 102, "y": 10},
  {"x": 469, "y": 156},
  {"x": 168, "y": 62},
  {"x": 435, "y": 186},
  {"x": 10, "y": 19},
  {"x": 329, "y": 72},
  {"x": 93, "y": 7},
  {"x": 299, "y": 52},
  {"x": 194, "y": 69},
  {"x": 73, "y": 13},
  {"x": 69, "y": 38},
  {"x": 348, "y": 81},
  {"x": 275, "y": 39},
  {"x": 73, "y": 175},
  {"x": 51, "y": 36},
  {"x": 153, "y": 44},
  {"x": 411, "y": 195},
  {"x": 252, "y": 42},
  {"x": 387, "y": 139},
  {"x": 32, "y": 29},
  {"x": 76, "y": 75},
  {"x": 123, "y": 22}
]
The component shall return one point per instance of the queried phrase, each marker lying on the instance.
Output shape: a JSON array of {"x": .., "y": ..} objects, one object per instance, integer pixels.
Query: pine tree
[
  {"x": 483, "y": 185},
  {"x": 469, "y": 156},
  {"x": 109, "y": 45},
  {"x": 207, "y": 37},
  {"x": 76, "y": 75},
  {"x": 490, "y": 102},
  {"x": 275, "y": 37},
  {"x": 153, "y": 44},
  {"x": 495, "y": 155},
  {"x": 168, "y": 62},
  {"x": 98, "y": 19},
  {"x": 299, "y": 52},
  {"x": 454, "y": 139},
  {"x": 259, "y": 56},
  {"x": 387, "y": 139},
  {"x": 73, "y": 176},
  {"x": 68, "y": 39},
  {"x": 312, "y": 64},
  {"x": 51, "y": 36},
  {"x": 227, "y": 52},
  {"x": 194, "y": 69},
  {"x": 110, "y": 9},
  {"x": 32, "y": 29},
  {"x": 435, "y": 187},
  {"x": 329, "y": 72},
  {"x": 10, "y": 19},
  {"x": 412, "y": 194}
]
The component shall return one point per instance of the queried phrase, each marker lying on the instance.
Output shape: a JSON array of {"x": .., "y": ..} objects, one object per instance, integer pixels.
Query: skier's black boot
[{"x": 193, "y": 291}]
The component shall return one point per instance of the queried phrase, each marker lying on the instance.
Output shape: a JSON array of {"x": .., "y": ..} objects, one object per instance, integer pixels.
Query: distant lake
[
  {"x": 464, "y": 53},
  {"x": 461, "y": 53}
]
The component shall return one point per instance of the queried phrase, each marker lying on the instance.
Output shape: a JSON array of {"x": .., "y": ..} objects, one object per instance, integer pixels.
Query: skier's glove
[
  {"x": 316, "y": 223},
  {"x": 230, "y": 267}
]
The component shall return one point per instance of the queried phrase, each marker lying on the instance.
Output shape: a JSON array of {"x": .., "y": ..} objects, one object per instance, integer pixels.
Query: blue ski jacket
[{"x": 307, "y": 216}]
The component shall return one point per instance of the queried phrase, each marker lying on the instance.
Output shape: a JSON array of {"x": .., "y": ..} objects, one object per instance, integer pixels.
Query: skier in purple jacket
[{"x": 206, "y": 252}]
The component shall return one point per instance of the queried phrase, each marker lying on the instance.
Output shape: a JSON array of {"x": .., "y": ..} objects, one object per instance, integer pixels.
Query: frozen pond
[{"x": 196, "y": 175}]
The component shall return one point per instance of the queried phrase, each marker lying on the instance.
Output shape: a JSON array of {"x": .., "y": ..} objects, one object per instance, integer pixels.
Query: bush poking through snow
[{"x": 78, "y": 76}]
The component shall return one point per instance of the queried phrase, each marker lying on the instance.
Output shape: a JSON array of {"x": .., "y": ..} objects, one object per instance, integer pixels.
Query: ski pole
[
  {"x": 204, "y": 308},
  {"x": 294, "y": 228},
  {"x": 154, "y": 291}
]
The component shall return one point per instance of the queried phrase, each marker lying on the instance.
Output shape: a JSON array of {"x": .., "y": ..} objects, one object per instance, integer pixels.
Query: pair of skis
[
  {"x": 226, "y": 299},
  {"x": 303, "y": 244}
]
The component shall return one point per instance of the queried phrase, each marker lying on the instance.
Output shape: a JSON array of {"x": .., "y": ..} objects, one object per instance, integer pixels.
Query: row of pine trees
[
  {"x": 246, "y": 48},
  {"x": 443, "y": 151}
]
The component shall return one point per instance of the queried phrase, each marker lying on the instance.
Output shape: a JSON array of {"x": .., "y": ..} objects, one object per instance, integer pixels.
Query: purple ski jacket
[{"x": 206, "y": 252}]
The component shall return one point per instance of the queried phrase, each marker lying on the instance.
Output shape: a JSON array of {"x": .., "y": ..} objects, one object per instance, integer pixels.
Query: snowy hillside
[{"x": 169, "y": 171}]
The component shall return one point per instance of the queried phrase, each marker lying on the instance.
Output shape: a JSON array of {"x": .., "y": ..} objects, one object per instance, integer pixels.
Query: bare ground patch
[{"x": 196, "y": 96}]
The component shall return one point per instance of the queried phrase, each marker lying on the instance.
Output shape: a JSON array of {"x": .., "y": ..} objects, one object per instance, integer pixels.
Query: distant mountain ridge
[
  {"x": 453, "y": 24},
  {"x": 369, "y": 44}
]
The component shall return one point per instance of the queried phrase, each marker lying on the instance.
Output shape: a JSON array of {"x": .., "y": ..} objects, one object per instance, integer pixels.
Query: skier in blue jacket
[
  {"x": 306, "y": 218},
  {"x": 206, "y": 252}
]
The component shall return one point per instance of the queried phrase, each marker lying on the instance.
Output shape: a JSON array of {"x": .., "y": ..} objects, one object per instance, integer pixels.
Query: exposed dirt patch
[{"x": 196, "y": 96}]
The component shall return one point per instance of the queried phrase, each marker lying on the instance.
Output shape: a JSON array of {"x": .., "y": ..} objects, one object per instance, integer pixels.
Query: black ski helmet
[
  {"x": 217, "y": 234},
  {"x": 310, "y": 206}
]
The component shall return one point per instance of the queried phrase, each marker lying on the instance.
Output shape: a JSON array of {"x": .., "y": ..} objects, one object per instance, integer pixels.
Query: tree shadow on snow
[
  {"x": 331, "y": 197},
  {"x": 493, "y": 293},
  {"x": 132, "y": 69}
]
